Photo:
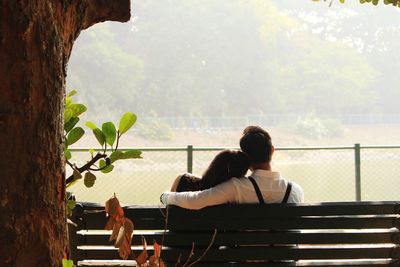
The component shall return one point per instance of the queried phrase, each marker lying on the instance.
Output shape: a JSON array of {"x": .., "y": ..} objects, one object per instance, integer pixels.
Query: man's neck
[{"x": 261, "y": 166}]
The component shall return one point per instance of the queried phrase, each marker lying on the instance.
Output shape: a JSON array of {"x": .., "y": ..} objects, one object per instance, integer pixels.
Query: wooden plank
[
  {"x": 143, "y": 219},
  {"x": 364, "y": 263},
  {"x": 260, "y": 253},
  {"x": 148, "y": 217},
  {"x": 295, "y": 210},
  {"x": 198, "y": 222},
  {"x": 281, "y": 210},
  {"x": 236, "y": 222},
  {"x": 254, "y": 237}
]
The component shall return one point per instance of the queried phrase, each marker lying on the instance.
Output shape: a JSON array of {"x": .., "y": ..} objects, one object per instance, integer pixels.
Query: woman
[{"x": 225, "y": 165}]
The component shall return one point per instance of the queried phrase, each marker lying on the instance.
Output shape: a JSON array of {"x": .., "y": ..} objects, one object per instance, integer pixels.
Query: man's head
[{"x": 256, "y": 142}]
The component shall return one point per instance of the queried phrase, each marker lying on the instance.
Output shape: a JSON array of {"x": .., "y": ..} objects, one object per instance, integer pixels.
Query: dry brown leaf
[
  {"x": 157, "y": 250},
  {"x": 142, "y": 258},
  {"x": 122, "y": 228},
  {"x": 110, "y": 223},
  {"x": 112, "y": 206},
  {"x": 120, "y": 236},
  {"x": 156, "y": 262},
  {"x": 115, "y": 231},
  {"x": 125, "y": 250},
  {"x": 126, "y": 237},
  {"x": 128, "y": 226}
]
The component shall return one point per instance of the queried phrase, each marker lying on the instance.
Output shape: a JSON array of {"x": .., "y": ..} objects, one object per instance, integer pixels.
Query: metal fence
[{"x": 342, "y": 173}]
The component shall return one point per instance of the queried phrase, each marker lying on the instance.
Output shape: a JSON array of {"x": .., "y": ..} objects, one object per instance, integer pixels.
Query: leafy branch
[
  {"x": 106, "y": 136},
  {"x": 374, "y": 2}
]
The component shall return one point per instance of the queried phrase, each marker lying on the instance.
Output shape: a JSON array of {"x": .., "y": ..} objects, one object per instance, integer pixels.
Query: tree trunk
[{"x": 36, "y": 38}]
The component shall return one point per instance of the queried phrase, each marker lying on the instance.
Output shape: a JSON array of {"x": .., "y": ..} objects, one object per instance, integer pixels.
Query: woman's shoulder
[{"x": 188, "y": 182}]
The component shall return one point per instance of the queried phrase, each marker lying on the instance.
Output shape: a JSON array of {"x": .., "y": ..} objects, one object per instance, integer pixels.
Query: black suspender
[
  {"x": 288, "y": 189},
  {"x": 258, "y": 192},
  {"x": 259, "y": 195}
]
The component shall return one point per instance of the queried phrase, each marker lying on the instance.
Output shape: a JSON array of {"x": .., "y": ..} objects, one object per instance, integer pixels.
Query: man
[{"x": 262, "y": 186}]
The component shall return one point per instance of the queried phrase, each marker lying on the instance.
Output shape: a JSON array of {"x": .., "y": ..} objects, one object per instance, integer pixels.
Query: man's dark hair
[{"x": 256, "y": 142}]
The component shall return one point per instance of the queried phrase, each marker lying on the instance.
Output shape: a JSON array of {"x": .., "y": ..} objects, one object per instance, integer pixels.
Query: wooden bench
[{"x": 323, "y": 234}]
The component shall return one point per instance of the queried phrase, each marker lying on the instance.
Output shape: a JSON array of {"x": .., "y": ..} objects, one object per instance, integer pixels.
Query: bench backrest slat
[{"x": 256, "y": 237}]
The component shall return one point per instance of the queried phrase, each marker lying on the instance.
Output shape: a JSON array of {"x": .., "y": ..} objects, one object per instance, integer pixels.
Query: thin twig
[
  {"x": 118, "y": 136},
  {"x": 179, "y": 260},
  {"x": 205, "y": 251},
  {"x": 165, "y": 228},
  {"x": 69, "y": 163},
  {"x": 190, "y": 256}
]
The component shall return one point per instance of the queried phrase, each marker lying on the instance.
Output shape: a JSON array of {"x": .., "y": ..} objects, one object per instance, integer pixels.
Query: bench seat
[{"x": 319, "y": 234}]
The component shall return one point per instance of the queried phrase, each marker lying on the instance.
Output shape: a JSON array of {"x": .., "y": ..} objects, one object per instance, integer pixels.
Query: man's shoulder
[
  {"x": 296, "y": 186},
  {"x": 297, "y": 193}
]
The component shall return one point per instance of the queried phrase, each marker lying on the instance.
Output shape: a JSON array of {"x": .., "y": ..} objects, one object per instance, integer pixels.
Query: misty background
[{"x": 308, "y": 72}]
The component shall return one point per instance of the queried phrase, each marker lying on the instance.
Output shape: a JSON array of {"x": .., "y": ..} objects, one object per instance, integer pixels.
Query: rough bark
[{"x": 36, "y": 38}]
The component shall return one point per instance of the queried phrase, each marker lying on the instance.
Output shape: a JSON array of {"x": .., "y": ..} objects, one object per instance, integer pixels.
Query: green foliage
[
  {"x": 67, "y": 263},
  {"x": 71, "y": 203},
  {"x": 132, "y": 154},
  {"x": 312, "y": 126},
  {"x": 105, "y": 167},
  {"x": 126, "y": 122},
  {"x": 156, "y": 129},
  {"x": 107, "y": 135},
  {"x": 374, "y": 2},
  {"x": 263, "y": 47},
  {"x": 70, "y": 124},
  {"x": 91, "y": 125},
  {"x": 74, "y": 135},
  {"x": 89, "y": 179},
  {"x": 101, "y": 138},
  {"x": 116, "y": 155},
  {"x": 110, "y": 132}
]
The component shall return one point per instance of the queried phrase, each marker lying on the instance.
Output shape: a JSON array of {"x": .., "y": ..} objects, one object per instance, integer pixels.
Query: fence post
[
  {"x": 189, "y": 158},
  {"x": 357, "y": 160}
]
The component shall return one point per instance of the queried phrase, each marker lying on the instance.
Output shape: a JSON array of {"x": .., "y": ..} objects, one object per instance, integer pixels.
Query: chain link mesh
[
  {"x": 380, "y": 174},
  {"x": 325, "y": 175},
  {"x": 134, "y": 181}
]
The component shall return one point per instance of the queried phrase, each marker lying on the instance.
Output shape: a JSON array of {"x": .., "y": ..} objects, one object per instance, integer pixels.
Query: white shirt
[{"x": 238, "y": 190}]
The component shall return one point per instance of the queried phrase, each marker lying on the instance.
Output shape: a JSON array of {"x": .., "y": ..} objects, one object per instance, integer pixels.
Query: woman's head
[{"x": 225, "y": 165}]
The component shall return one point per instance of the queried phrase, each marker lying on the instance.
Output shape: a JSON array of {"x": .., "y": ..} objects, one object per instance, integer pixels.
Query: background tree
[
  {"x": 201, "y": 58},
  {"x": 36, "y": 40}
]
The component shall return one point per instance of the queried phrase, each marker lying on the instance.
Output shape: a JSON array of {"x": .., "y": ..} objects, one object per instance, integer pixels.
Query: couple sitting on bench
[{"x": 224, "y": 181}]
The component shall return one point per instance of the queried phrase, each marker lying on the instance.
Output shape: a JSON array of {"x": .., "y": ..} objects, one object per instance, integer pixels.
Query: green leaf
[
  {"x": 77, "y": 175},
  {"x": 116, "y": 155},
  {"x": 91, "y": 125},
  {"x": 68, "y": 102},
  {"x": 91, "y": 151},
  {"x": 99, "y": 136},
  {"x": 89, "y": 179},
  {"x": 68, "y": 114},
  {"x": 342, "y": 1},
  {"x": 72, "y": 183},
  {"x": 110, "y": 132},
  {"x": 126, "y": 122},
  {"x": 72, "y": 93},
  {"x": 132, "y": 154},
  {"x": 70, "y": 206},
  {"x": 75, "y": 135},
  {"x": 71, "y": 124},
  {"x": 67, "y": 263},
  {"x": 77, "y": 109},
  {"x": 67, "y": 153},
  {"x": 107, "y": 169}
]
